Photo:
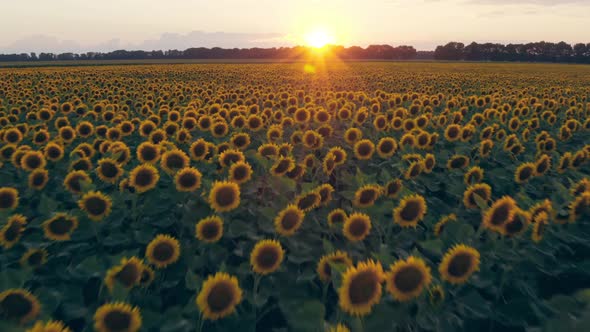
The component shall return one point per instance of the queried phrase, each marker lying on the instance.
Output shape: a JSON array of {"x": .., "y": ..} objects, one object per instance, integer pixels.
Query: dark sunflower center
[
  {"x": 363, "y": 287},
  {"x": 368, "y": 196},
  {"x": 128, "y": 275},
  {"x": 15, "y": 306},
  {"x": 36, "y": 258},
  {"x": 525, "y": 173},
  {"x": 514, "y": 226},
  {"x": 220, "y": 297},
  {"x": 457, "y": 162},
  {"x": 411, "y": 211},
  {"x": 386, "y": 147},
  {"x": 225, "y": 196},
  {"x": 240, "y": 173},
  {"x": 429, "y": 163},
  {"x": 500, "y": 214},
  {"x": 117, "y": 320},
  {"x": 148, "y": 153},
  {"x": 267, "y": 257},
  {"x": 199, "y": 150},
  {"x": 74, "y": 183},
  {"x": 144, "y": 177},
  {"x": 38, "y": 179},
  {"x": 479, "y": 192},
  {"x": 163, "y": 252},
  {"x": 393, "y": 188},
  {"x": 187, "y": 180},
  {"x": 95, "y": 205},
  {"x": 364, "y": 149},
  {"x": 12, "y": 232},
  {"x": 174, "y": 161},
  {"x": 210, "y": 230},
  {"x": 33, "y": 162},
  {"x": 307, "y": 201},
  {"x": 460, "y": 264},
  {"x": 358, "y": 227},
  {"x": 337, "y": 218},
  {"x": 7, "y": 200},
  {"x": 290, "y": 220},
  {"x": 109, "y": 170},
  {"x": 60, "y": 226},
  {"x": 408, "y": 279}
]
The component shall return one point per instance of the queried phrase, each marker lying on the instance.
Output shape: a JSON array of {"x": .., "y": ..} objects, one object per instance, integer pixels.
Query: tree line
[
  {"x": 385, "y": 52},
  {"x": 530, "y": 52},
  {"x": 455, "y": 51}
]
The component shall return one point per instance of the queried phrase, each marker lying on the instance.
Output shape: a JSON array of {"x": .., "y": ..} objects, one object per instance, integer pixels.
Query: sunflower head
[
  {"x": 478, "y": 191},
  {"x": 19, "y": 305},
  {"x": 410, "y": 211},
  {"x": 364, "y": 149},
  {"x": 96, "y": 205},
  {"x": 386, "y": 147},
  {"x": 361, "y": 288},
  {"x": 209, "y": 229},
  {"x": 117, "y": 316},
  {"x": 148, "y": 152},
  {"x": 367, "y": 195},
  {"x": 187, "y": 179},
  {"x": 289, "y": 220},
  {"x": 219, "y": 296},
  {"x": 524, "y": 172},
  {"x": 127, "y": 273},
  {"x": 324, "y": 268},
  {"x": 8, "y": 198},
  {"x": 458, "y": 264},
  {"x": 144, "y": 177},
  {"x": 407, "y": 278},
  {"x": 109, "y": 170},
  {"x": 240, "y": 172},
  {"x": 356, "y": 227},
  {"x": 49, "y": 326},
  {"x": 163, "y": 250},
  {"x": 224, "y": 196},
  {"x": 266, "y": 257},
  {"x": 282, "y": 165},
  {"x": 501, "y": 212},
  {"x": 174, "y": 160},
  {"x": 393, "y": 188},
  {"x": 12, "y": 230},
  {"x": 436, "y": 295},
  {"x": 519, "y": 223},
  {"x": 540, "y": 224},
  {"x": 34, "y": 258},
  {"x": 60, "y": 227}
]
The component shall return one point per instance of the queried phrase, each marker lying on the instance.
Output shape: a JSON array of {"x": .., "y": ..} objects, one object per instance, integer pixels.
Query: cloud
[{"x": 45, "y": 43}]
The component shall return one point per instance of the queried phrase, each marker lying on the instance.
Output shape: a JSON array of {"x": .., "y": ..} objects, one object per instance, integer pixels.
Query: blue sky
[{"x": 82, "y": 25}]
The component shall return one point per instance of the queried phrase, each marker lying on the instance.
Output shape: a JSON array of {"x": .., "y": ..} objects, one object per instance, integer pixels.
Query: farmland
[{"x": 375, "y": 196}]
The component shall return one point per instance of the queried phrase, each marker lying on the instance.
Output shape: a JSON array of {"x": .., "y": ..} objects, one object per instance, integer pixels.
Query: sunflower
[
  {"x": 407, "y": 278},
  {"x": 174, "y": 160},
  {"x": 393, "y": 188},
  {"x": 540, "y": 224},
  {"x": 282, "y": 165},
  {"x": 339, "y": 155},
  {"x": 428, "y": 163},
  {"x": 266, "y": 257},
  {"x": 338, "y": 328},
  {"x": 49, "y": 326},
  {"x": 366, "y": 195},
  {"x": 325, "y": 190},
  {"x": 579, "y": 207},
  {"x": 289, "y": 220},
  {"x": 53, "y": 151},
  {"x": 209, "y": 229},
  {"x": 324, "y": 268},
  {"x": 17, "y": 304},
  {"x": 436, "y": 295},
  {"x": 219, "y": 296},
  {"x": 147, "y": 276},
  {"x": 224, "y": 196},
  {"x": 32, "y": 160},
  {"x": 386, "y": 147},
  {"x": 453, "y": 132},
  {"x": 33, "y": 258},
  {"x": 524, "y": 172},
  {"x": 356, "y": 227},
  {"x": 240, "y": 172},
  {"x": 481, "y": 190},
  {"x": 187, "y": 179},
  {"x": 580, "y": 187},
  {"x": 240, "y": 141},
  {"x": 81, "y": 164},
  {"x": 199, "y": 149},
  {"x": 230, "y": 156},
  {"x": 329, "y": 164},
  {"x": 410, "y": 211},
  {"x": 60, "y": 227},
  {"x": 443, "y": 221},
  {"x": 414, "y": 169},
  {"x": 144, "y": 177},
  {"x": 361, "y": 288},
  {"x": 162, "y": 251},
  {"x": 519, "y": 223},
  {"x": 501, "y": 212},
  {"x": 458, "y": 162},
  {"x": 148, "y": 152},
  {"x": 544, "y": 206},
  {"x": 364, "y": 149},
  {"x": 117, "y": 317},
  {"x": 352, "y": 135},
  {"x": 96, "y": 205},
  {"x": 485, "y": 148},
  {"x": 458, "y": 264},
  {"x": 76, "y": 180},
  {"x": 308, "y": 201},
  {"x": 38, "y": 179},
  {"x": 109, "y": 170},
  {"x": 12, "y": 231},
  {"x": 127, "y": 273},
  {"x": 337, "y": 216},
  {"x": 473, "y": 175}
]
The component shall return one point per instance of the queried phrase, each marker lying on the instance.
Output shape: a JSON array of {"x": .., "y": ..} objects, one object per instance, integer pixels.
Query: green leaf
[{"x": 303, "y": 315}]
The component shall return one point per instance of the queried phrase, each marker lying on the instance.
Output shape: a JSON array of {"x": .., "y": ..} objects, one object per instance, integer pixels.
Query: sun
[{"x": 319, "y": 38}]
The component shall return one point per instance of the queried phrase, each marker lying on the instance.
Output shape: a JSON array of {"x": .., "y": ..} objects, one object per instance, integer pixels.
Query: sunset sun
[{"x": 319, "y": 38}]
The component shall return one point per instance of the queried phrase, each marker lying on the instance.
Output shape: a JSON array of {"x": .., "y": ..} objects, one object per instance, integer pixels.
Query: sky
[{"x": 106, "y": 25}]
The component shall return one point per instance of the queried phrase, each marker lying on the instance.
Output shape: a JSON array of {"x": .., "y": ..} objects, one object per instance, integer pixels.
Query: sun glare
[{"x": 319, "y": 38}]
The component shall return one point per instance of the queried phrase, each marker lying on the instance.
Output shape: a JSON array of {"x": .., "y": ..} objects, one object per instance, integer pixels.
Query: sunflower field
[{"x": 266, "y": 197}]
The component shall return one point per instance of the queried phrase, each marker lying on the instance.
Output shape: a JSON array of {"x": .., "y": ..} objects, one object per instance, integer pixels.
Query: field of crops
[{"x": 284, "y": 197}]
